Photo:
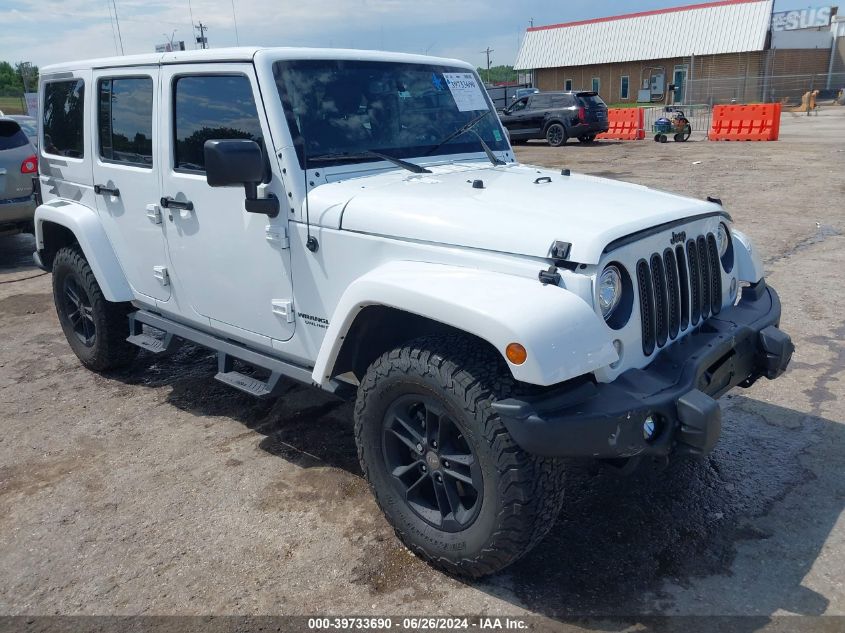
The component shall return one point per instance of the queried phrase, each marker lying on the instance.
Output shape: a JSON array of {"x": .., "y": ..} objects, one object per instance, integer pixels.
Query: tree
[
  {"x": 22, "y": 77},
  {"x": 28, "y": 74},
  {"x": 498, "y": 74}
]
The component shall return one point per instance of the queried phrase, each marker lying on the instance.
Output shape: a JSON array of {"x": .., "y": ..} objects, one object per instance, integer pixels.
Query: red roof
[{"x": 689, "y": 7}]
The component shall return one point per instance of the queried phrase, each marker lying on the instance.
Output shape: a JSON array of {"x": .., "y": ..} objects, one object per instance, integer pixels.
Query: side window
[
  {"x": 561, "y": 101},
  {"x": 125, "y": 120},
  {"x": 211, "y": 107},
  {"x": 538, "y": 102},
  {"x": 520, "y": 105},
  {"x": 64, "y": 104}
]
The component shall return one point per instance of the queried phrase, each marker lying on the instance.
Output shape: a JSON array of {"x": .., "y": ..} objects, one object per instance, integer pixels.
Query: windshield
[{"x": 345, "y": 108}]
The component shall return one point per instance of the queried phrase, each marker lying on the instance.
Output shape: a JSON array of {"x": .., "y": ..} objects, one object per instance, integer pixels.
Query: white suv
[{"x": 357, "y": 220}]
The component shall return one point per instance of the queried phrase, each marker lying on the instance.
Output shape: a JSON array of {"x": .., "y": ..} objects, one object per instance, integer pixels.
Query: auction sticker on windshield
[{"x": 466, "y": 91}]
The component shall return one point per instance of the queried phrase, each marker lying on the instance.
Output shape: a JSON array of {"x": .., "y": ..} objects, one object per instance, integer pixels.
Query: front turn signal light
[{"x": 516, "y": 353}]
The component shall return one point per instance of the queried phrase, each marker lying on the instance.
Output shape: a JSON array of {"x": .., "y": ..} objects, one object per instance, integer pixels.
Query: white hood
[{"x": 511, "y": 214}]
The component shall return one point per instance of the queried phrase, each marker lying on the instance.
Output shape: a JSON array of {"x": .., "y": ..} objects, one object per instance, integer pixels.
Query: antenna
[
  {"x": 235, "y": 19},
  {"x": 119, "y": 36},
  {"x": 311, "y": 242},
  {"x": 111, "y": 24},
  {"x": 191, "y": 15}
]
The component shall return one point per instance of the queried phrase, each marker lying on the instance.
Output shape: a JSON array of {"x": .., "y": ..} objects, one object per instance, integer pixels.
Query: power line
[{"x": 235, "y": 18}]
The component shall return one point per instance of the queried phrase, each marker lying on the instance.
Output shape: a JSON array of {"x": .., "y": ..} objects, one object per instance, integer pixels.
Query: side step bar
[{"x": 227, "y": 352}]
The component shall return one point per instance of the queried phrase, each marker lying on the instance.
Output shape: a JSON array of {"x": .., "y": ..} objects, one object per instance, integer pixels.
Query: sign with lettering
[{"x": 801, "y": 19}]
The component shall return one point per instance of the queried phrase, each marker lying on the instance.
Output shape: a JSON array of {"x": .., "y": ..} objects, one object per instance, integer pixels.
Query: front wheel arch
[{"x": 378, "y": 328}]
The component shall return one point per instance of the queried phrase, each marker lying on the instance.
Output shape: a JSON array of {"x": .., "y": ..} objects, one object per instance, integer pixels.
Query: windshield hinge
[
  {"x": 283, "y": 308},
  {"x": 277, "y": 235}
]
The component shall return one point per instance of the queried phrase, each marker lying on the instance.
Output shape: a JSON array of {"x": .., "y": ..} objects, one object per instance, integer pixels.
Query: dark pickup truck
[{"x": 556, "y": 117}]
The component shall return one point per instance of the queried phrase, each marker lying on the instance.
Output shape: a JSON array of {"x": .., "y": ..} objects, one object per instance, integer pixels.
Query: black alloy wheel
[
  {"x": 79, "y": 312},
  {"x": 556, "y": 135},
  {"x": 431, "y": 463}
]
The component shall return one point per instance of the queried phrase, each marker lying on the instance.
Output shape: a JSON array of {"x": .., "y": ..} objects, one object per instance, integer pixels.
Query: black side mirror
[{"x": 233, "y": 162}]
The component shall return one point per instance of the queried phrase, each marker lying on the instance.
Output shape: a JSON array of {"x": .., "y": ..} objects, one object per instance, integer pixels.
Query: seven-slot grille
[{"x": 678, "y": 288}]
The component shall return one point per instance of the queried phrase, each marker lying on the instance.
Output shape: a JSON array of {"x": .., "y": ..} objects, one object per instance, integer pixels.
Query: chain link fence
[
  {"x": 12, "y": 101},
  {"x": 786, "y": 89},
  {"x": 699, "y": 116}
]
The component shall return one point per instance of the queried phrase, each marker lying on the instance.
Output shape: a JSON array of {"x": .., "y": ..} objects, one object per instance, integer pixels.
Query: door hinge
[
  {"x": 160, "y": 273},
  {"x": 154, "y": 213},
  {"x": 277, "y": 235},
  {"x": 283, "y": 308}
]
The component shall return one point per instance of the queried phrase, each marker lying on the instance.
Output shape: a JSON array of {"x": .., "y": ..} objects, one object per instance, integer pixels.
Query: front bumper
[{"x": 677, "y": 389}]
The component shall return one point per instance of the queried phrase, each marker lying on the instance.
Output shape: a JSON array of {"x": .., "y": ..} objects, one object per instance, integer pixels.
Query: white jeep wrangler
[{"x": 357, "y": 220}]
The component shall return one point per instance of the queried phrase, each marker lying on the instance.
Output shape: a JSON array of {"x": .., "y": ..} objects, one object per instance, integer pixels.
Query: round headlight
[
  {"x": 722, "y": 239},
  {"x": 609, "y": 290}
]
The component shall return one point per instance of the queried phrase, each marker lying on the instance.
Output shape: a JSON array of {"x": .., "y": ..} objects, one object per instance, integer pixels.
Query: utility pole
[
  {"x": 488, "y": 50},
  {"x": 202, "y": 40}
]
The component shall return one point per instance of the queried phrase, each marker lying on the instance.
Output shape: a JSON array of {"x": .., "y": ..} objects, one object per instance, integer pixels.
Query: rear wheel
[
  {"x": 556, "y": 135},
  {"x": 444, "y": 470},
  {"x": 95, "y": 328}
]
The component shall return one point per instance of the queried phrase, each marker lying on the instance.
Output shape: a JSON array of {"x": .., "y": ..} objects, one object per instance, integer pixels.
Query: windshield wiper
[
  {"x": 488, "y": 151},
  {"x": 466, "y": 127},
  {"x": 346, "y": 156},
  {"x": 401, "y": 163}
]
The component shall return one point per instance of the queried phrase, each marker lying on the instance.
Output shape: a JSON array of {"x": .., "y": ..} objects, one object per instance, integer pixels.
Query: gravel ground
[{"x": 160, "y": 491}]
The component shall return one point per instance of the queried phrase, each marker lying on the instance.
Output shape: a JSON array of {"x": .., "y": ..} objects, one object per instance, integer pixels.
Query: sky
[{"x": 51, "y": 31}]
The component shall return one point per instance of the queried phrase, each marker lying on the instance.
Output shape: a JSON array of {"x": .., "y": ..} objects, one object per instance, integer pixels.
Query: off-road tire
[
  {"x": 523, "y": 493},
  {"x": 109, "y": 348}
]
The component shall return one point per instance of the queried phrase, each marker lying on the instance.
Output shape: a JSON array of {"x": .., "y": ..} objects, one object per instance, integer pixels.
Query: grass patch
[{"x": 12, "y": 105}]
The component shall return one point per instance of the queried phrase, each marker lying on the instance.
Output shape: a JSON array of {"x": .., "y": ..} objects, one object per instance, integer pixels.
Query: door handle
[
  {"x": 170, "y": 203},
  {"x": 102, "y": 190}
]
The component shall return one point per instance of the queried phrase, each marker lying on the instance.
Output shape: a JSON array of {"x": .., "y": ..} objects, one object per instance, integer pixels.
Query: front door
[
  {"x": 680, "y": 80},
  {"x": 126, "y": 128},
  {"x": 515, "y": 120},
  {"x": 229, "y": 266}
]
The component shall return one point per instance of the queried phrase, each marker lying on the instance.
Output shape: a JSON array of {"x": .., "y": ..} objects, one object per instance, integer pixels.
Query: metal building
[{"x": 712, "y": 52}]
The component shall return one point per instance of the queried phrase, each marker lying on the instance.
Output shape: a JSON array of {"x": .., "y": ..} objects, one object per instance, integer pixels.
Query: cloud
[{"x": 53, "y": 31}]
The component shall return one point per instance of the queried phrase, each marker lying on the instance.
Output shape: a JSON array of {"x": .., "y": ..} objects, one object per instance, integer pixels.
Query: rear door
[
  {"x": 229, "y": 266},
  {"x": 126, "y": 184}
]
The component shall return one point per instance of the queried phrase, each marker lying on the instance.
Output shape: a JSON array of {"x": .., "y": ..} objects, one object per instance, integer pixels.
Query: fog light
[{"x": 649, "y": 428}]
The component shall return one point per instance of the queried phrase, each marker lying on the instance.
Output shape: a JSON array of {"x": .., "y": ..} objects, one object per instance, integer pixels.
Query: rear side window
[
  {"x": 11, "y": 135},
  {"x": 211, "y": 107},
  {"x": 561, "y": 101},
  {"x": 538, "y": 102},
  {"x": 125, "y": 120},
  {"x": 64, "y": 103},
  {"x": 589, "y": 100}
]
